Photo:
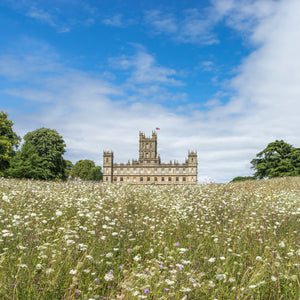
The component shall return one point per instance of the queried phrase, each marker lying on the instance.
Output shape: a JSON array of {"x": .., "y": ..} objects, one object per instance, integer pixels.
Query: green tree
[
  {"x": 241, "y": 178},
  {"x": 69, "y": 167},
  {"x": 41, "y": 156},
  {"x": 9, "y": 141},
  {"x": 96, "y": 173},
  {"x": 86, "y": 170},
  {"x": 278, "y": 159}
]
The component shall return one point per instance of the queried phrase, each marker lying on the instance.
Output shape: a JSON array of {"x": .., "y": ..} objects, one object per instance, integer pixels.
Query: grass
[{"x": 96, "y": 241}]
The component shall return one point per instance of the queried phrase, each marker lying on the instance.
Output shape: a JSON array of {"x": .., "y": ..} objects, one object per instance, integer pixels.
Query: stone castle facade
[{"x": 148, "y": 169}]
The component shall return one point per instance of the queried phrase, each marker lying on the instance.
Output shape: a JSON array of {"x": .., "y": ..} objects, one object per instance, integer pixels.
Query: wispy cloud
[
  {"x": 197, "y": 26},
  {"x": 57, "y": 14},
  {"x": 115, "y": 21},
  {"x": 192, "y": 26},
  {"x": 144, "y": 69}
]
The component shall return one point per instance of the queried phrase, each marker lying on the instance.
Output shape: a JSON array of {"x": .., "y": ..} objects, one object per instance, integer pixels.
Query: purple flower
[
  {"x": 146, "y": 291},
  {"x": 166, "y": 289},
  {"x": 177, "y": 244}
]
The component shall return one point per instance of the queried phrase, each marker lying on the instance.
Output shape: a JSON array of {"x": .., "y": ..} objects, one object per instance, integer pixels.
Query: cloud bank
[{"x": 93, "y": 113}]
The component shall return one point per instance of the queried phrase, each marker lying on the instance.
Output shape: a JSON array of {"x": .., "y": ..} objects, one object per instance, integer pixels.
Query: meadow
[{"x": 71, "y": 240}]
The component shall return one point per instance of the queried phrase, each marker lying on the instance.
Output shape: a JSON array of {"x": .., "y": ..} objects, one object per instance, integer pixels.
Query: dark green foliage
[
  {"x": 279, "y": 159},
  {"x": 41, "y": 156},
  {"x": 8, "y": 142},
  {"x": 241, "y": 178},
  {"x": 69, "y": 167},
  {"x": 86, "y": 170}
]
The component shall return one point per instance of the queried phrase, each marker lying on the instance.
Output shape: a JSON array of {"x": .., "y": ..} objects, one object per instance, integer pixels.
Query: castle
[{"x": 148, "y": 169}]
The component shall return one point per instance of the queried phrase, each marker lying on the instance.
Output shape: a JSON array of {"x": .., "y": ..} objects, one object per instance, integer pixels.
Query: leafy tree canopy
[
  {"x": 9, "y": 141},
  {"x": 41, "y": 156},
  {"x": 86, "y": 170},
  {"x": 278, "y": 159}
]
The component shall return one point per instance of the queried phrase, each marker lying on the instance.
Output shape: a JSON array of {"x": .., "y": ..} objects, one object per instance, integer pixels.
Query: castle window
[
  {"x": 170, "y": 179},
  {"x": 183, "y": 170},
  {"x": 148, "y": 178},
  {"x": 155, "y": 178},
  {"x": 177, "y": 170},
  {"x": 163, "y": 179},
  {"x": 121, "y": 178},
  {"x": 106, "y": 178},
  {"x": 148, "y": 161},
  {"x": 107, "y": 160},
  {"x": 192, "y": 159},
  {"x": 183, "y": 179},
  {"x": 115, "y": 178},
  {"x": 134, "y": 179},
  {"x": 177, "y": 179},
  {"x": 155, "y": 170},
  {"x": 141, "y": 178},
  {"x": 163, "y": 170},
  {"x": 142, "y": 170},
  {"x": 170, "y": 170}
]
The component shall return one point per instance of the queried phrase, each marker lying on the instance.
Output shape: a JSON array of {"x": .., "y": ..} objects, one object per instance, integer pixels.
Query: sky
[{"x": 221, "y": 77}]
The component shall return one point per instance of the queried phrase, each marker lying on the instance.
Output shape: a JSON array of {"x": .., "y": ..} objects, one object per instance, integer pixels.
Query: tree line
[{"x": 40, "y": 156}]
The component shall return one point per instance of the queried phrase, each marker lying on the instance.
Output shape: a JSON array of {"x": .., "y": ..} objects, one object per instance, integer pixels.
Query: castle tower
[
  {"x": 193, "y": 167},
  {"x": 108, "y": 162},
  {"x": 148, "y": 148}
]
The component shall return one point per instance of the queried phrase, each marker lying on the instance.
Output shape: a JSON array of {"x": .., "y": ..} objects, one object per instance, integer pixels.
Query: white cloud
[
  {"x": 144, "y": 69},
  {"x": 115, "y": 20},
  {"x": 162, "y": 23},
  {"x": 59, "y": 14}
]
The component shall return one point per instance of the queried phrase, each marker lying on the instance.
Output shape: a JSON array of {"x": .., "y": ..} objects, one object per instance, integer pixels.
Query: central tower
[{"x": 148, "y": 149}]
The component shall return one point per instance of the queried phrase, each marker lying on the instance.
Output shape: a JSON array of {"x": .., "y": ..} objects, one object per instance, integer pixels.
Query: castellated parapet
[{"x": 148, "y": 169}]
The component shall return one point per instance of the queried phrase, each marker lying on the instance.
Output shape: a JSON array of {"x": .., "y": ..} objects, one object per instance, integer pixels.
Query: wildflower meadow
[{"x": 81, "y": 240}]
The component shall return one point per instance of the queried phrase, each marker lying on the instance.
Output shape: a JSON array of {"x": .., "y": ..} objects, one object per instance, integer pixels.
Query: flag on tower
[{"x": 157, "y": 128}]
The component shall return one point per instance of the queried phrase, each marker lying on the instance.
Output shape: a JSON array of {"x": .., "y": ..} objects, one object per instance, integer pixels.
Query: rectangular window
[
  {"x": 115, "y": 178},
  {"x": 155, "y": 178},
  {"x": 141, "y": 178},
  {"x": 163, "y": 179},
  {"x": 177, "y": 179},
  {"x": 121, "y": 179},
  {"x": 106, "y": 178},
  {"x": 107, "y": 160},
  {"x": 170, "y": 179},
  {"x": 148, "y": 178},
  {"x": 183, "y": 179}
]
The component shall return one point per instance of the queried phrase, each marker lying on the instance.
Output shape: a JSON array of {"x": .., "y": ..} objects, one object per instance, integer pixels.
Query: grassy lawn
[{"x": 62, "y": 240}]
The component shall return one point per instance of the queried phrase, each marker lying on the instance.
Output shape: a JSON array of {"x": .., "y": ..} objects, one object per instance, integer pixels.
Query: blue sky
[{"x": 220, "y": 77}]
